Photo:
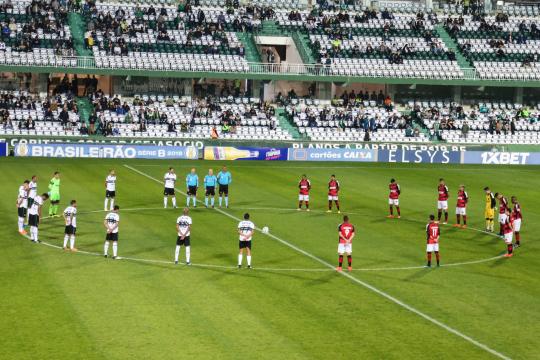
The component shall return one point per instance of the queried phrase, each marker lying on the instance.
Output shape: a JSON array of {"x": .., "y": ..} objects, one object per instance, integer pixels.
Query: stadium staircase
[
  {"x": 286, "y": 124},
  {"x": 451, "y": 44},
  {"x": 303, "y": 45},
  {"x": 271, "y": 28},
  {"x": 85, "y": 108},
  {"x": 251, "y": 50},
  {"x": 78, "y": 28}
]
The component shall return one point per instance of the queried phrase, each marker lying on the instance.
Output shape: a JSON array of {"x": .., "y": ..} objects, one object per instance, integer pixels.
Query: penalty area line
[{"x": 352, "y": 278}]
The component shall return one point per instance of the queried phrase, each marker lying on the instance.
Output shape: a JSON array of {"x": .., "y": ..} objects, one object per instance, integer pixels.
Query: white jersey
[
  {"x": 22, "y": 197},
  {"x": 184, "y": 222},
  {"x": 111, "y": 183},
  {"x": 245, "y": 228},
  {"x": 71, "y": 216},
  {"x": 34, "y": 209},
  {"x": 32, "y": 192},
  {"x": 112, "y": 221},
  {"x": 170, "y": 180}
]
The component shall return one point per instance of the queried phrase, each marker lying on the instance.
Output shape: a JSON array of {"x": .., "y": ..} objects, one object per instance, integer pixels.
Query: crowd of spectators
[
  {"x": 25, "y": 32},
  {"x": 112, "y": 31},
  {"x": 456, "y": 117},
  {"x": 143, "y": 112},
  {"x": 54, "y": 108}
]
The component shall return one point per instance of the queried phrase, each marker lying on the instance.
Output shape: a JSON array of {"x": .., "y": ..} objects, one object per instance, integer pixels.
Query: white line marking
[
  {"x": 354, "y": 279},
  {"x": 415, "y": 267}
]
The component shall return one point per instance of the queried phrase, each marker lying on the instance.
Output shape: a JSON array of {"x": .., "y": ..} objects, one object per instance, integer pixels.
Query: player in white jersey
[
  {"x": 183, "y": 228},
  {"x": 170, "y": 181},
  {"x": 32, "y": 191},
  {"x": 111, "y": 223},
  {"x": 245, "y": 230},
  {"x": 70, "y": 219},
  {"x": 110, "y": 190},
  {"x": 34, "y": 213},
  {"x": 22, "y": 205}
]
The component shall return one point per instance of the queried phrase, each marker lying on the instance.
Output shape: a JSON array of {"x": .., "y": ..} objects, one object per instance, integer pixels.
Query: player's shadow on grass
[{"x": 499, "y": 261}]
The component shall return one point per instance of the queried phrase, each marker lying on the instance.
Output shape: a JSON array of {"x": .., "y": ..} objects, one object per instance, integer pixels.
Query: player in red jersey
[
  {"x": 393, "y": 198},
  {"x": 503, "y": 205},
  {"x": 433, "y": 233},
  {"x": 508, "y": 232},
  {"x": 346, "y": 235},
  {"x": 461, "y": 206},
  {"x": 333, "y": 190},
  {"x": 304, "y": 185},
  {"x": 517, "y": 219},
  {"x": 442, "y": 203}
]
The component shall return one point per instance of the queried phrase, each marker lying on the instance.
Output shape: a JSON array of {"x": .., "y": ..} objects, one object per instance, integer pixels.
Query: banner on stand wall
[
  {"x": 107, "y": 151},
  {"x": 244, "y": 153},
  {"x": 312, "y": 154}
]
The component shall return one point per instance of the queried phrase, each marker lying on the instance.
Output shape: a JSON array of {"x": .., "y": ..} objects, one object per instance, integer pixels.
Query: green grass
[{"x": 60, "y": 305}]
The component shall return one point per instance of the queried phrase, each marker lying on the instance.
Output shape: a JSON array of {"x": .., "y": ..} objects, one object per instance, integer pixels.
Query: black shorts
[
  {"x": 21, "y": 211},
  {"x": 168, "y": 191},
  {"x": 111, "y": 237},
  {"x": 33, "y": 220},
  {"x": 30, "y": 202},
  {"x": 110, "y": 194},
  {"x": 70, "y": 230},
  {"x": 223, "y": 189},
  {"x": 244, "y": 244},
  {"x": 210, "y": 190},
  {"x": 184, "y": 242},
  {"x": 192, "y": 190}
]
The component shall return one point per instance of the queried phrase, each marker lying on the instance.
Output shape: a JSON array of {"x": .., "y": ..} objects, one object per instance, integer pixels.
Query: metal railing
[{"x": 65, "y": 63}]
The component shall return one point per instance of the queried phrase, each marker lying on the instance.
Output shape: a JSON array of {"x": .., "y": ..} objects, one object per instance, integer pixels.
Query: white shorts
[
  {"x": 303, "y": 197},
  {"x": 502, "y": 217},
  {"x": 432, "y": 247},
  {"x": 442, "y": 205},
  {"x": 332, "y": 198},
  {"x": 517, "y": 225},
  {"x": 508, "y": 238},
  {"x": 344, "y": 248},
  {"x": 461, "y": 211},
  {"x": 394, "y": 202}
]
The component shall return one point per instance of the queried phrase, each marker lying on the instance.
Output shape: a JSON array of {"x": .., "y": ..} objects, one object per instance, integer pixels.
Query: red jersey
[
  {"x": 304, "y": 186},
  {"x": 346, "y": 231},
  {"x": 508, "y": 225},
  {"x": 433, "y": 232},
  {"x": 443, "y": 192},
  {"x": 503, "y": 205},
  {"x": 462, "y": 198},
  {"x": 517, "y": 211},
  {"x": 333, "y": 188},
  {"x": 395, "y": 190}
]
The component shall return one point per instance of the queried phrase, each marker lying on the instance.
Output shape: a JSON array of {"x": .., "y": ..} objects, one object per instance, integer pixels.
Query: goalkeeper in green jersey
[{"x": 54, "y": 193}]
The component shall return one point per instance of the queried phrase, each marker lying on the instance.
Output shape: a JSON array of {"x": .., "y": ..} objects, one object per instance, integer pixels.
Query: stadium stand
[
  {"x": 499, "y": 46},
  {"x": 353, "y": 120},
  {"x": 35, "y": 33},
  {"x": 486, "y": 123},
  {"x": 28, "y": 114},
  {"x": 378, "y": 44},
  {"x": 160, "y": 116},
  {"x": 167, "y": 38}
]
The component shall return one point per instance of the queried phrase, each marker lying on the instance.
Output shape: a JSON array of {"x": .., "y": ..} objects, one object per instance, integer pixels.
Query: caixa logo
[{"x": 505, "y": 158}]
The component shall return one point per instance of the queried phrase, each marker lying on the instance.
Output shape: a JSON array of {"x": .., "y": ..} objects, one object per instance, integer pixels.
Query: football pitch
[{"x": 292, "y": 304}]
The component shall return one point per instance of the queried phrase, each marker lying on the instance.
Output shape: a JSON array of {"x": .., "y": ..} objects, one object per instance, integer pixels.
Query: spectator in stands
[
  {"x": 64, "y": 117},
  {"x": 380, "y": 98},
  {"x": 465, "y": 130},
  {"x": 83, "y": 130}
]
